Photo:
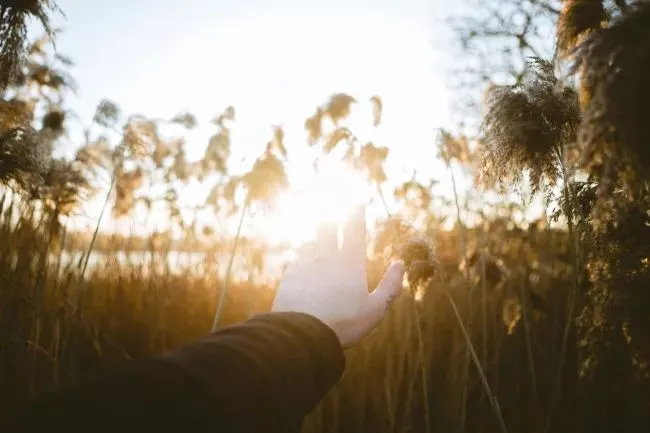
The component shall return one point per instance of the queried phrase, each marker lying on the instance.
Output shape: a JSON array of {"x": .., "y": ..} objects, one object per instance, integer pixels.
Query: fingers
[
  {"x": 385, "y": 294},
  {"x": 354, "y": 236},
  {"x": 327, "y": 242}
]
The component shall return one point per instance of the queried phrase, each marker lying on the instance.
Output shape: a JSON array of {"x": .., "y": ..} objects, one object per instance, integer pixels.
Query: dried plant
[
  {"x": 14, "y": 17},
  {"x": 377, "y": 110},
  {"x": 618, "y": 291},
  {"x": 580, "y": 204},
  {"x": 371, "y": 160},
  {"x": 217, "y": 152},
  {"x": 414, "y": 193},
  {"x": 95, "y": 155},
  {"x": 53, "y": 120},
  {"x": 526, "y": 128},
  {"x": 313, "y": 126},
  {"x": 127, "y": 182},
  {"x": 140, "y": 137},
  {"x": 266, "y": 178},
  {"x": 45, "y": 76},
  {"x": 335, "y": 137},
  {"x": 277, "y": 142},
  {"x": 338, "y": 107},
  {"x": 578, "y": 18},
  {"x": 181, "y": 169},
  {"x": 161, "y": 152},
  {"x": 65, "y": 186},
  {"x": 453, "y": 148},
  {"x": 614, "y": 65},
  {"x": 22, "y": 159},
  {"x": 107, "y": 114},
  {"x": 228, "y": 114},
  {"x": 13, "y": 114},
  {"x": 187, "y": 120},
  {"x": 388, "y": 232}
]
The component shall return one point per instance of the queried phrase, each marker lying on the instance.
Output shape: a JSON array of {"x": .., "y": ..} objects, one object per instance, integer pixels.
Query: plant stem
[
  {"x": 494, "y": 402},
  {"x": 90, "y": 247},
  {"x": 227, "y": 277},
  {"x": 569, "y": 208},
  {"x": 529, "y": 347},
  {"x": 463, "y": 251},
  {"x": 78, "y": 306}
]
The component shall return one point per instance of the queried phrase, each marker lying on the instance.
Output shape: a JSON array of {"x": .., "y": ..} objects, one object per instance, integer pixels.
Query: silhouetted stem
[
  {"x": 494, "y": 402},
  {"x": 92, "y": 244},
  {"x": 79, "y": 304},
  {"x": 227, "y": 277},
  {"x": 570, "y": 206},
  {"x": 463, "y": 250}
]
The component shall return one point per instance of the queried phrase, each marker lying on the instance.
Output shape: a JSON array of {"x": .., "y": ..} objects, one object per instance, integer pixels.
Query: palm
[{"x": 329, "y": 282}]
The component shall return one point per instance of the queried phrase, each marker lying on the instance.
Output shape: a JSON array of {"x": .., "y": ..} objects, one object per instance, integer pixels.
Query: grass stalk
[
  {"x": 228, "y": 275},
  {"x": 494, "y": 402},
  {"x": 570, "y": 205},
  {"x": 79, "y": 303},
  {"x": 463, "y": 252}
]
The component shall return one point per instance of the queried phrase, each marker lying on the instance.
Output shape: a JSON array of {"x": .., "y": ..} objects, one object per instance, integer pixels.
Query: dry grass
[
  {"x": 486, "y": 340},
  {"x": 129, "y": 310}
]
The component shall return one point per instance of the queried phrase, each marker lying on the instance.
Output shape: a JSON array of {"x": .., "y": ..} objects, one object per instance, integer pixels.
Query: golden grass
[{"x": 410, "y": 375}]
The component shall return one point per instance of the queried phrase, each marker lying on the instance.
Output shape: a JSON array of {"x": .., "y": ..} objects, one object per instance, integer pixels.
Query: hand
[{"x": 331, "y": 284}]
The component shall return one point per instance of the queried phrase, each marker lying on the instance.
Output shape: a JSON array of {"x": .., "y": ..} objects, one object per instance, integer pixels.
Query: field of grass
[
  {"x": 416, "y": 373},
  {"x": 518, "y": 325}
]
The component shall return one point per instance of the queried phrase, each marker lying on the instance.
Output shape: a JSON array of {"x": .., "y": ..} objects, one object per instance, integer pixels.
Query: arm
[
  {"x": 260, "y": 376},
  {"x": 263, "y": 375}
]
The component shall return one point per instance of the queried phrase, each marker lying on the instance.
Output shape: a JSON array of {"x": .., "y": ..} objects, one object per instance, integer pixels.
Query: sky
[{"x": 273, "y": 61}]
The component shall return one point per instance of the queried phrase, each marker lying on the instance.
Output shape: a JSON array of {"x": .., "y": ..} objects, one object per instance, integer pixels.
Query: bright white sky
[{"x": 274, "y": 61}]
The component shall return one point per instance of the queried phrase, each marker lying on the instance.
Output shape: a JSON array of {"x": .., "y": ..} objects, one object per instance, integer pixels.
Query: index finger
[{"x": 354, "y": 235}]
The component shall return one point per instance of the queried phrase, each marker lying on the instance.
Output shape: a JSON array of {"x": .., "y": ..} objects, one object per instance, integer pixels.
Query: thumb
[{"x": 387, "y": 291}]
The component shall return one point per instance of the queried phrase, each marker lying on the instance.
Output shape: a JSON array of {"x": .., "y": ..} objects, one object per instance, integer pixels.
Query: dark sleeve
[{"x": 262, "y": 375}]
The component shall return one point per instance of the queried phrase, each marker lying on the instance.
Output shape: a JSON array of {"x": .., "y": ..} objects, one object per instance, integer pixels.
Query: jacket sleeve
[{"x": 262, "y": 375}]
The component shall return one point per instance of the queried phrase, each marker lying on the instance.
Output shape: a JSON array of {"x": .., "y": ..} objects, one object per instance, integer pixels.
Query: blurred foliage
[
  {"x": 578, "y": 17},
  {"x": 14, "y": 17},
  {"x": 613, "y": 64}
]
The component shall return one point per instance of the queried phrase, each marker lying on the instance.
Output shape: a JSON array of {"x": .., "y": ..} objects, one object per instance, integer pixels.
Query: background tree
[{"x": 496, "y": 39}]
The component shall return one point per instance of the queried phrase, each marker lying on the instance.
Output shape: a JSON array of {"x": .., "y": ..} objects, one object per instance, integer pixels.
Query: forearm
[
  {"x": 266, "y": 373},
  {"x": 271, "y": 368}
]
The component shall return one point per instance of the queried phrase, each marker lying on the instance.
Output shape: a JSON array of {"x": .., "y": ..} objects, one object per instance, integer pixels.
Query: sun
[{"x": 326, "y": 196}]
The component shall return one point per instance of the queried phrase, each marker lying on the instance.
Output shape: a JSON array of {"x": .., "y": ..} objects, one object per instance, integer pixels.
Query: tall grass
[
  {"x": 410, "y": 375},
  {"x": 131, "y": 308}
]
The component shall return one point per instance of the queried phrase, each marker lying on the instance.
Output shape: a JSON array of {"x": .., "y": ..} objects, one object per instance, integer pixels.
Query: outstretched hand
[{"x": 331, "y": 284}]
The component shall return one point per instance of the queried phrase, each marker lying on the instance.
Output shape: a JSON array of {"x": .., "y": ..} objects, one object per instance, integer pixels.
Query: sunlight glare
[{"x": 329, "y": 196}]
